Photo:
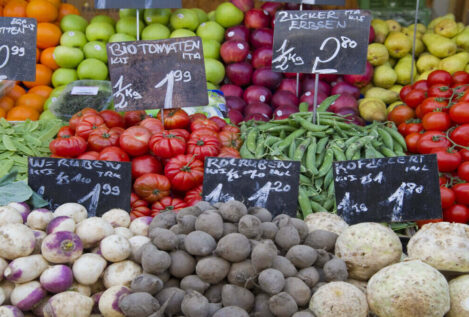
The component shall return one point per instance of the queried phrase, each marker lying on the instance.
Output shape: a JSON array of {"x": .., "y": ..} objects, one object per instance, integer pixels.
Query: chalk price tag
[
  {"x": 321, "y": 42},
  {"x": 395, "y": 189},
  {"x": 97, "y": 185},
  {"x": 137, "y": 4},
  {"x": 269, "y": 184},
  {"x": 18, "y": 49},
  {"x": 157, "y": 74}
]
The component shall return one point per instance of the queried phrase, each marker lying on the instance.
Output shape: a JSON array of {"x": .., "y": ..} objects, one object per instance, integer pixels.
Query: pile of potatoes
[{"x": 227, "y": 261}]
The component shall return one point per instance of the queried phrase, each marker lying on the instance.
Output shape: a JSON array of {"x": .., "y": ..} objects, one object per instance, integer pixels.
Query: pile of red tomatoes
[
  {"x": 435, "y": 119},
  {"x": 167, "y": 159}
]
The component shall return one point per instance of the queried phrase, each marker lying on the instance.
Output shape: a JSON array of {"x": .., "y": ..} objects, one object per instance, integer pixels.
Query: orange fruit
[
  {"x": 38, "y": 55},
  {"x": 6, "y": 103},
  {"x": 47, "y": 58},
  {"x": 1, "y": 11},
  {"x": 41, "y": 91},
  {"x": 56, "y": 3},
  {"x": 31, "y": 100},
  {"x": 16, "y": 92},
  {"x": 15, "y": 8},
  {"x": 43, "y": 76},
  {"x": 42, "y": 11},
  {"x": 66, "y": 9},
  {"x": 2, "y": 113},
  {"x": 48, "y": 35},
  {"x": 21, "y": 113}
]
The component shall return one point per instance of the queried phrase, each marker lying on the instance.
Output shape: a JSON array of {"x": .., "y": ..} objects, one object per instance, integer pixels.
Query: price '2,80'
[
  {"x": 343, "y": 42},
  {"x": 6, "y": 51}
]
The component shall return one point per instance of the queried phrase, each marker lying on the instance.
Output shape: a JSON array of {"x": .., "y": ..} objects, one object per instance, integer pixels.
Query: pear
[
  {"x": 385, "y": 95},
  {"x": 396, "y": 88},
  {"x": 403, "y": 70},
  {"x": 393, "y": 26},
  {"x": 461, "y": 27},
  {"x": 419, "y": 47},
  {"x": 427, "y": 62},
  {"x": 384, "y": 76},
  {"x": 424, "y": 75},
  {"x": 421, "y": 28},
  {"x": 446, "y": 28},
  {"x": 462, "y": 39},
  {"x": 366, "y": 88},
  {"x": 392, "y": 61},
  {"x": 377, "y": 54},
  {"x": 372, "y": 109},
  {"x": 455, "y": 63},
  {"x": 398, "y": 44},
  {"x": 381, "y": 30},
  {"x": 467, "y": 69},
  {"x": 439, "y": 46},
  {"x": 410, "y": 33},
  {"x": 437, "y": 20}
]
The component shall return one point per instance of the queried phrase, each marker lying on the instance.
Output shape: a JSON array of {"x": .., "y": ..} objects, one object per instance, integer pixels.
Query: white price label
[{"x": 84, "y": 91}]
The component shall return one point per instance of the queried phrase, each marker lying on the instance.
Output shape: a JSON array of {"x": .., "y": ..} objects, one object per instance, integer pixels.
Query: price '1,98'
[
  {"x": 344, "y": 42},
  {"x": 6, "y": 52}
]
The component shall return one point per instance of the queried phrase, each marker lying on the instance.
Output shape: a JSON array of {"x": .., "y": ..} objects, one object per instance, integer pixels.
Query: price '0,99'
[
  {"x": 6, "y": 51},
  {"x": 343, "y": 42}
]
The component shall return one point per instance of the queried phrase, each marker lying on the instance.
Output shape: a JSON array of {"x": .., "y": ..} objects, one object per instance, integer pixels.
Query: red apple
[
  {"x": 328, "y": 78},
  {"x": 262, "y": 37},
  {"x": 266, "y": 77},
  {"x": 256, "y": 19},
  {"x": 272, "y": 7},
  {"x": 238, "y": 32},
  {"x": 308, "y": 97},
  {"x": 232, "y": 90},
  {"x": 235, "y": 103},
  {"x": 235, "y": 116},
  {"x": 289, "y": 84},
  {"x": 344, "y": 101},
  {"x": 361, "y": 80},
  {"x": 258, "y": 107},
  {"x": 234, "y": 51},
  {"x": 257, "y": 94},
  {"x": 293, "y": 75},
  {"x": 371, "y": 38},
  {"x": 308, "y": 85},
  {"x": 257, "y": 117},
  {"x": 239, "y": 73},
  {"x": 344, "y": 87},
  {"x": 262, "y": 57},
  {"x": 243, "y": 5},
  {"x": 292, "y": 6},
  {"x": 284, "y": 98},
  {"x": 283, "y": 112}
]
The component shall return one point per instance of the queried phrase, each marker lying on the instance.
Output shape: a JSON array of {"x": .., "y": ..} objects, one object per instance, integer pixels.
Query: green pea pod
[
  {"x": 251, "y": 140},
  {"x": 331, "y": 189},
  {"x": 319, "y": 198},
  {"x": 386, "y": 137},
  {"x": 372, "y": 152},
  {"x": 397, "y": 137},
  {"x": 304, "y": 180},
  {"x": 5, "y": 167},
  {"x": 328, "y": 178},
  {"x": 304, "y": 202},
  {"x": 338, "y": 153},
  {"x": 292, "y": 149},
  {"x": 303, "y": 107},
  {"x": 260, "y": 147},
  {"x": 397, "y": 147},
  {"x": 322, "y": 145},
  {"x": 336, "y": 124},
  {"x": 311, "y": 126},
  {"x": 320, "y": 159},
  {"x": 328, "y": 203},
  {"x": 311, "y": 157},
  {"x": 387, "y": 152},
  {"x": 317, "y": 207},
  {"x": 301, "y": 149},
  {"x": 245, "y": 153},
  {"x": 318, "y": 182},
  {"x": 351, "y": 140},
  {"x": 327, "y": 103},
  {"x": 8, "y": 143},
  {"x": 289, "y": 139},
  {"x": 357, "y": 155},
  {"x": 355, "y": 147},
  {"x": 270, "y": 140}
]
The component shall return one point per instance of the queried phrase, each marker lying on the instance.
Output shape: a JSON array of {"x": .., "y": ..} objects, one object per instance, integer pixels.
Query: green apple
[
  {"x": 68, "y": 57},
  {"x": 211, "y": 31},
  {"x": 96, "y": 49},
  {"x": 214, "y": 70},
  {"x": 103, "y": 18},
  {"x": 211, "y": 49},
  {"x": 160, "y": 16},
  {"x": 211, "y": 15},
  {"x": 73, "y": 22},
  {"x": 200, "y": 14},
  {"x": 92, "y": 68},
  {"x": 228, "y": 15},
  {"x": 73, "y": 39},
  {"x": 121, "y": 37},
  {"x": 128, "y": 25},
  {"x": 56, "y": 93},
  {"x": 63, "y": 76},
  {"x": 211, "y": 86},
  {"x": 181, "y": 33},
  {"x": 47, "y": 115},
  {"x": 127, "y": 13},
  {"x": 99, "y": 31},
  {"x": 184, "y": 19},
  {"x": 155, "y": 31}
]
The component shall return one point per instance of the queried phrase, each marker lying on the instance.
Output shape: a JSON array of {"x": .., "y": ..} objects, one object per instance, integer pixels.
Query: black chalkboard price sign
[
  {"x": 269, "y": 184},
  {"x": 395, "y": 189},
  {"x": 18, "y": 49},
  {"x": 321, "y": 42},
  {"x": 97, "y": 185},
  {"x": 137, "y": 4},
  {"x": 157, "y": 74}
]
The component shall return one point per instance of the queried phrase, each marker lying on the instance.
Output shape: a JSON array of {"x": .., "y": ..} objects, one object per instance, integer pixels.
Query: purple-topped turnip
[
  {"x": 61, "y": 223},
  {"x": 16, "y": 240},
  {"x": 25, "y": 269},
  {"x": 10, "y": 311},
  {"x": 26, "y": 296},
  {"x": 62, "y": 247},
  {"x": 39, "y": 218},
  {"x": 9, "y": 215},
  {"x": 22, "y": 208}
]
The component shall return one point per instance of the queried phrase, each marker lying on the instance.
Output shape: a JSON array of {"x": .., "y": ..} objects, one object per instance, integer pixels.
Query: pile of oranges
[{"x": 26, "y": 99}]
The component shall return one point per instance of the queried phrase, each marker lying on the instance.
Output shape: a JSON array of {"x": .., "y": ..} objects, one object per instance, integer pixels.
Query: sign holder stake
[
  {"x": 415, "y": 39},
  {"x": 138, "y": 24},
  {"x": 316, "y": 87},
  {"x": 298, "y": 74}
]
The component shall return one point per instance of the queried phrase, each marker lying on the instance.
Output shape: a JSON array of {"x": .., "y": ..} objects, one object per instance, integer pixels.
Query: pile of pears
[{"x": 444, "y": 44}]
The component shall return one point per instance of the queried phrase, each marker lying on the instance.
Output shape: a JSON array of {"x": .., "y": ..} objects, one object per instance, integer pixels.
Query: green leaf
[
  {"x": 8, "y": 178},
  {"x": 327, "y": 102},
  {"x": 37, "y": 201},
  {"x": 15, "y": 192},
  {"x": 8, "y": 143}
]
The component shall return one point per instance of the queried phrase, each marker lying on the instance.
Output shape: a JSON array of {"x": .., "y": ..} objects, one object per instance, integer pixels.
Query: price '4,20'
[{"x": 339, "y": 43}]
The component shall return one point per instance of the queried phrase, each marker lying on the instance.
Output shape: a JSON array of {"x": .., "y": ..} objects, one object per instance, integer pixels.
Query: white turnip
[
  {"x": 115, "y": 248},
  {"x": 92, "y": 230},
  {"x": 136, "y": 242},
  {"x": 38, "y": 219},
  {"x": 17, "y": 240},
  {"x": 25, "y": 269},
  {"x": 39, "y": 235},
  {"x": 109, "y": 301},
  {"x": 69, "y": 304},
  {"x": 121, "y": 273},
  {"x": 75, "y": 211},
  {"x": 57, "y": 278},
  {"x": 7, "y": 287},
  {"x": 62, "y": 223},
  {"x": 117, "y": 218},
  {"x": 62, "y": 247},
  {"x": 80, "y": 288},
  {"x": 140, "y": 226},
  {"x": 3, "y": 266},
  {"x": 25, "y": 296},
  {"x": 10, "y": 311},
  {"x": 9, "y": 215},
  {"x": 22, "y": 208},
  {"x": 124, "y": 232},
  {"x": 88, "y": 268}
]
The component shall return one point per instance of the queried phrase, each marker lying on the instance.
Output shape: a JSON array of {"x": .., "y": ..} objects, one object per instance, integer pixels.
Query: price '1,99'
[{"x": 6, "y": 52}]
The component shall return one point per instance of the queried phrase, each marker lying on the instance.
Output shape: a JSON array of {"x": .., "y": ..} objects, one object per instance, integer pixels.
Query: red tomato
[
  {"x": 448, "y": 160},
  {"x": 431, "y": 104},
  {"x": 167, "y": 144},
  {"x": 113, "y": 153},
  {"x": 87, "y": 124},
  {"x": 411, "y": 141},
  {"x": 464, "y": 154},
  {"x": 230, "y": 139},
  {"x": 460, "y": 78},
  {"x": 229, "y": 152},
  {"x": 219, "y": 121},
  {"x": 459, "y": 112},
  {"x": 415, "y": 97},
  {"x": 185, "y": 172},
  {"x": 456, "y": 213},
  {"x": 152, "y": 187},
  {"x": 203, "y": 146},
  {"x": 443, "y": 181},
  {"x": 460, "y": 135},
  {"x": 77, "y": 117},
  {"x": 440, "y": 91},
  {"x": 402, "y": 128},
  {"x": 404, "y": 91},
  {"x": 112, "y": 119},
  {"x": 140, "y": 212},
  {"x": 439, "y": 77},
  {"x": 132, "y": 118},
  {"x": 436, "y": 121},
  {"x": 133, "y": 198},
  {"x": 134, "y": 140},
  {"x": 413, "y": 127},
  {"x": 197, "y": 116},
  {"x": 167, "y": 204},
  {"x": 463, "y": 171},
  {"x": 65, "y": 132},
  {"x": 421, "y": 84},
  {"x": 401, "y": 114},
  {"x": 175, "y": 119},
  {"x": 90, "y": 155},
  {"x": 418, "y": 111},
  {"x": 193, "y": 196},
  {"x": 68, "y": 146},
  {"x": 465, "y": 96},
  {"x": 139, "y": 203},
  {"x": 207, "y": 124},
  {"x": 421, "y": 223},
  {"x": 103, "y": 138},
  {"x": 231, "y": 128},
  {"x": 462, "y": 193},
  {"x": 145, "y": 164},
  {"x": 152, "y": 124},
  {"x": 432, "y": 140},
  {"x": 203, "y": 132},
  {"x": 182, "y": 133}
]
